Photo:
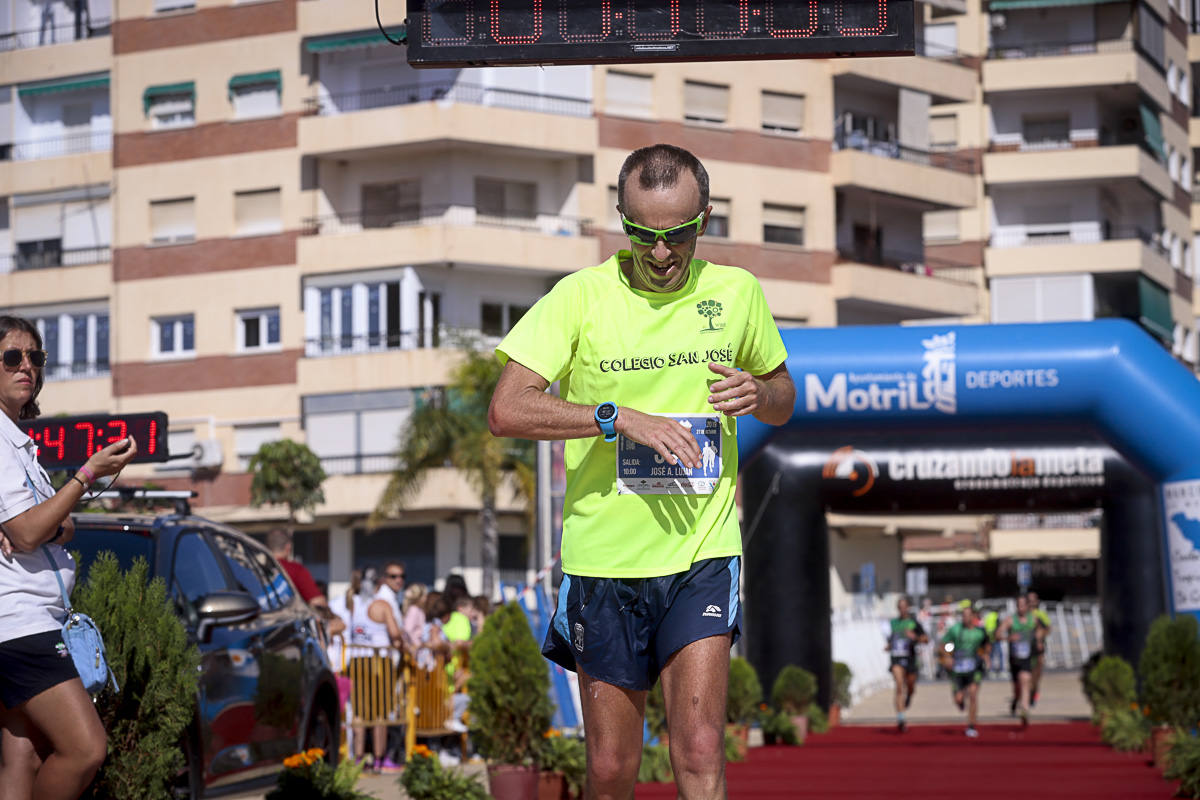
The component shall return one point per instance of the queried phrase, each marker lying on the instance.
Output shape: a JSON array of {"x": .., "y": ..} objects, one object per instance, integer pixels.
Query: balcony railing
[
  {"x": 914, "y": 263},
  {"x": 856, "y": 140},
  {"x": 359, "y": 464},
  {"x": 1059, "y": 48},
  {"x": 54, "y": 34},
  {"x": 1048, "y": 234},
  {"x": 435, "y": 336},
  {"x": 356, "y": 221},
  {"x": 78, "y": 370},
  {"x": 54, "y": 147},
  {"x": 448, "y": 92},
  {"x": 49, "y": 259}
]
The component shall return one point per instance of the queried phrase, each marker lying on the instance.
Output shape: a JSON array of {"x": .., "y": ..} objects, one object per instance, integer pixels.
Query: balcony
[
  {"x": 371, "y": 362},
  {"x": 894, "y": 287},
  {"x": 944, "y": 74},
  {"x": 937, "y": 180},
  {"x": 1064, "y": 163},
  {"x": 1059, "y": 250},
  {"x": 545, "y": 243},
  {"x": 78, "y": 370},
  {"x": 58, "y": 146},
  {"x": 33, "y": 55},
  {"x": 54, "y": 34},
  {"x": 341, "y": 123},
  {"x": 1071, "y": 64},
  {"x": 59, "y": 162},
  {"x": 52, "y": 257}
]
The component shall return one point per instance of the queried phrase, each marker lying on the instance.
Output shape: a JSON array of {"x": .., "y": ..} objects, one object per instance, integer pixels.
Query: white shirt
[{"x": 30, "y": 600}]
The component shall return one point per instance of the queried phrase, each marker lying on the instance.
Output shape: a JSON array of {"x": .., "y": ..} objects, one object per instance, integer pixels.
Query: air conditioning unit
[
  {"x": 999, "y": 21},
  {"x": 206, "y": 454}
]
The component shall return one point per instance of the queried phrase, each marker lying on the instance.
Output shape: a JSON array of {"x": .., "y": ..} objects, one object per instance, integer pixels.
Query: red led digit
[
  {"x": 792, "y": 20},
  {"x": 532, "y": 36},
  {"x": 115, "y": 423},
  {"x": 447, "y": 15},
  {"x": 721, "y": 21},
  {"x": 877, "y": 29},
  {"x": 152, "y": 438},
  {"x": 605, "y": 26},
  {"x": 91, "y": 437},
  {"x": 50, "y": 442},
  {"x": 655, "y": 14}
]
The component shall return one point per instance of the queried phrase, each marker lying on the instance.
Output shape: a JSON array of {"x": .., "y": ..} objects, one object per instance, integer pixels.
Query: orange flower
[
  {"x": 422, "y": 751},
  {"x": 315, "y": 753},
  {"x": 291, "y": 762},
  {"x": 550, "y": 734}
]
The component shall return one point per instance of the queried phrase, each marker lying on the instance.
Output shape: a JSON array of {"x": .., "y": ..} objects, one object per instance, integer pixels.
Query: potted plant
[
  {"x": 778, "y": 728},
  {"x": 1169, "y": 669},
  {"x": 1125, "y": 729},
  {"x": 656, "y": 714},
  {"x": 424, "y": 778},
  {"x": 510, "y": 706},
  {"x": 1184, "y": 763},
  {"x": 842, "y": 675},
  {"x": 308, "y": 776},
  {"x": 1109, "y": 685},
  {"x": 792, "y": 693},
  {"x": 563, "y": 762},
  {"x": 741, "y": 700}
]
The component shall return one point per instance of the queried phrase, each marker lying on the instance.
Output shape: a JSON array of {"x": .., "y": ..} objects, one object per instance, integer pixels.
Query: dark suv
[{"x": 266, "y": 688}]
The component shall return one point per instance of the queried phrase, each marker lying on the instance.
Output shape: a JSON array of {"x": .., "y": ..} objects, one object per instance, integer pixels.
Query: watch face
[{"x": 606, "y": 411}]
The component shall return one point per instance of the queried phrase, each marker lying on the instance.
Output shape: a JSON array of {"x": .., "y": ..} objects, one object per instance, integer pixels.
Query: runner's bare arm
[{"x": 521, "y": 409}]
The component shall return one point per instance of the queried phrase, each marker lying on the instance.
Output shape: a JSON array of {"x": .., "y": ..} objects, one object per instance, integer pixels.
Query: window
[
  {"x": 612, "y": 216},
  {"x": 76, "y": 343},
  {"x": 943, "y": 131},
  {"x": 706, "y": 103},
  {"x": 1046, "y": 132},
  {"x": 1151, "y": 35},
  {"x": 782, "y": 113},
  {"x": 359, "y": 317},
  {"x": 258, "y": 329},
  {"x": 245, "y": 571},
  {"x": 66, "y": 227},
  {"x": 497, "y": 319},
  {"x": 505, "y": 199},
  {"x": 357, "y": 432},
  {"x": 247, "y": 439},
  {"x": 718, "y": 220},
  {"x": 256, "y": 213},
  {"x": 196, "y": 571},
  {"x": 174, "y": 336},
  {"x": 783, "y": 224},
  {"x": 173, "y": 110},
  {"x": 173, "y": 5},
  {"x": 41, "y": 254},
  {"x": 173, "y": 220},
  {"x": 253, "y": 99},
  {"x": 388, "y": 204},
  {"x": 941, "y": 226},
  {"x": 77, "y": 119},
  {"x": 628, "y": 94}
]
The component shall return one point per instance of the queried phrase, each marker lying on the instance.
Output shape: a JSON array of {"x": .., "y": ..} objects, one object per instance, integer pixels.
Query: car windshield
[{"x": 125, "y": 545}]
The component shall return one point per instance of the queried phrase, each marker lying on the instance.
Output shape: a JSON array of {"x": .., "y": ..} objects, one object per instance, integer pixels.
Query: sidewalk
[{"x": 1061, "y": 698}]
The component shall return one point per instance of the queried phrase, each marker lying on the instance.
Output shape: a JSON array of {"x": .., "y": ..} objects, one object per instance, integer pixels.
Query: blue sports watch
[{"x": 606, "y": 417}]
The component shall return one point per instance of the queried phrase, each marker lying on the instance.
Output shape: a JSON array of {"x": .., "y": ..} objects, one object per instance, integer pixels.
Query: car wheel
[{"x": 321, "y": 734}]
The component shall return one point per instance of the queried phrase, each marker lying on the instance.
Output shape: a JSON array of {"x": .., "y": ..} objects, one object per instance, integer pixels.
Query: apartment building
[{"x": 256, "y": 217}]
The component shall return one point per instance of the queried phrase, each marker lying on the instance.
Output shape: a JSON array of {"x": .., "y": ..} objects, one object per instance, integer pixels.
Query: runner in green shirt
[
  {"x": 1023, "y": 631},
  {"x": 903, "y": 635},
  {"x": 656, "y": 353},
  {"x": 1043, "y": 619},
  {"x": 965, "y": 649}
]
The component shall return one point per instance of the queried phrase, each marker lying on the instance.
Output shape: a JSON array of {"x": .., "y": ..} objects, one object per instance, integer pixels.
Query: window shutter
[
  {"x": 705, "y": 102},
  {"x": 257, "y": 212},
  {"x": 173, "y": 220},
  {"x": 783, "y": 112}
]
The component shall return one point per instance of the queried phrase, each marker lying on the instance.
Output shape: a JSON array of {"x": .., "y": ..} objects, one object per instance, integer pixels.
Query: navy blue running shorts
[
  {"x": 32, "y": 664},
  {"x": 623, "y": 630}
]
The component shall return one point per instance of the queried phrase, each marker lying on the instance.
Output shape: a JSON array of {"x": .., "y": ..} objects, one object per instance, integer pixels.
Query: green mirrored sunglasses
[{"x": 677, "y": 235}]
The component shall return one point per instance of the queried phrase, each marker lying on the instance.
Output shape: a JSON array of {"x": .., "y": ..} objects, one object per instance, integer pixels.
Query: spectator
[
  {"x": 413, "y": 611},
  {"x": 374, "y": 628},
  {"x": 279, "y": 542},
  {"x": 391, "y": 590},
  {"x": 481, "y": 606}
]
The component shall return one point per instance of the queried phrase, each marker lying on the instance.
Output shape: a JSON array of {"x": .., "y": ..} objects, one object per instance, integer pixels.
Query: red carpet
[{"x": 1064, "y": 761}]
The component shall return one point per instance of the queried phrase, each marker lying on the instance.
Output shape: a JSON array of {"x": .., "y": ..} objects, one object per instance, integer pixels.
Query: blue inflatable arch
[{"x": 1107, "y": 377}]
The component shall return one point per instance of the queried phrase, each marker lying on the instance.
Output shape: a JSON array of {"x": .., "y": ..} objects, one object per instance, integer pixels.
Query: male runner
[
  {"x": 654, "y": 350},
  {"x": 1022, "y": 632},
  {"x": 1043, "y": 619},
  {"x": 965, "y": 649},
  {"x": 904, "y": 634}
]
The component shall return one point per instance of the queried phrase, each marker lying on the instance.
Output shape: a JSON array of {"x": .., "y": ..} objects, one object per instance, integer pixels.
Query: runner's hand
[
  {"x": 671, "y": 440},
  {"x": 736, "y": 394},
  {"x": 6, "y": 548}
]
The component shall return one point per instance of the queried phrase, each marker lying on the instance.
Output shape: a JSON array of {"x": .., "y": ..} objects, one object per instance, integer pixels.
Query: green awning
[
  {"x": 152, "y": 92},
  {"x": 1154, "y": 309},
  {"x": 1002, "y": 5},
  {"x": 1152, "y": 133},
  {"x": 350, "y": 41},
  {"x": 69, "y": 85},
  {"x": 271, "y": 76}
]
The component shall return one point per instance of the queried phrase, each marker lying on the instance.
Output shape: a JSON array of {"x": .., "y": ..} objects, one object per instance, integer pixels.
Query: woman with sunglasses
[{"x": 51, "y": 739}]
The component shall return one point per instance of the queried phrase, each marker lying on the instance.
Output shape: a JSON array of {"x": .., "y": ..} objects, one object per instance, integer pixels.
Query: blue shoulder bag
[{"x": 80, "y": 635}]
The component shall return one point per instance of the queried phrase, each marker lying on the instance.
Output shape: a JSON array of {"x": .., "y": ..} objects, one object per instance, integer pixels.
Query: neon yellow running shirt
[{"x": 605, "y": 341}]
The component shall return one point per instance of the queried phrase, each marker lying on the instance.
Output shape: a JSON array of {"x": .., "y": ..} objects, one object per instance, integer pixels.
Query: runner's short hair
[{"x": 658, "y": 166}]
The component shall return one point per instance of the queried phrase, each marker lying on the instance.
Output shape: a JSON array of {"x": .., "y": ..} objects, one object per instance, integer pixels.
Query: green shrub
[
  {"x": 425, "y": 779},
  {"x": 794, "y": 689},
  {"x": 778, "y": 725},
  {"x": 1169, "y": 670},
  {"x": 734, "y": 747},
  {"x": 567, "y": 755},
  {"x": 745, "y": 692},
  {"x": 288, "y": 473},
  {"x": 308, "y": 776},
  {"x": 842, "y": 676},
  {"x": 1110, "y": 684},
  {"x": 509, "y": 688},
  {"x": 656, "y": 711},
  {"x": 1125, "y": 729},
  {"x": 818, "y": 721},
  {"x": 1183, "y": 762},
  {"x": 656, "y": 765},
  {"x": 156, "y": 669}
]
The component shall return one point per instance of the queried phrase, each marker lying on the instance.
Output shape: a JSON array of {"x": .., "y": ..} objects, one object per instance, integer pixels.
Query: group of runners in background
[{"x": 965, "y": 650}]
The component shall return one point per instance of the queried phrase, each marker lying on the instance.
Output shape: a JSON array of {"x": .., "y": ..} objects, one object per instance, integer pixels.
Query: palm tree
[{"x": 449, "y": 428}]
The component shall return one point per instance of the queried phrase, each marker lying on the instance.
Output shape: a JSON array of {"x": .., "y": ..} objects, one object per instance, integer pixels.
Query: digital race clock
[
  {"x": 68, "y": 442},
  {"x": 461, "y": 33}
]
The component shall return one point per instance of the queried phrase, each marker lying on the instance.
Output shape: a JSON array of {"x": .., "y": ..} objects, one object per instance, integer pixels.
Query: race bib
[
  {"x": 641, "y": 470},
  {"x": 964, "y": 663},
  {"x": 901, "y": 646},
  {"x": 1021, "y": 649}
]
